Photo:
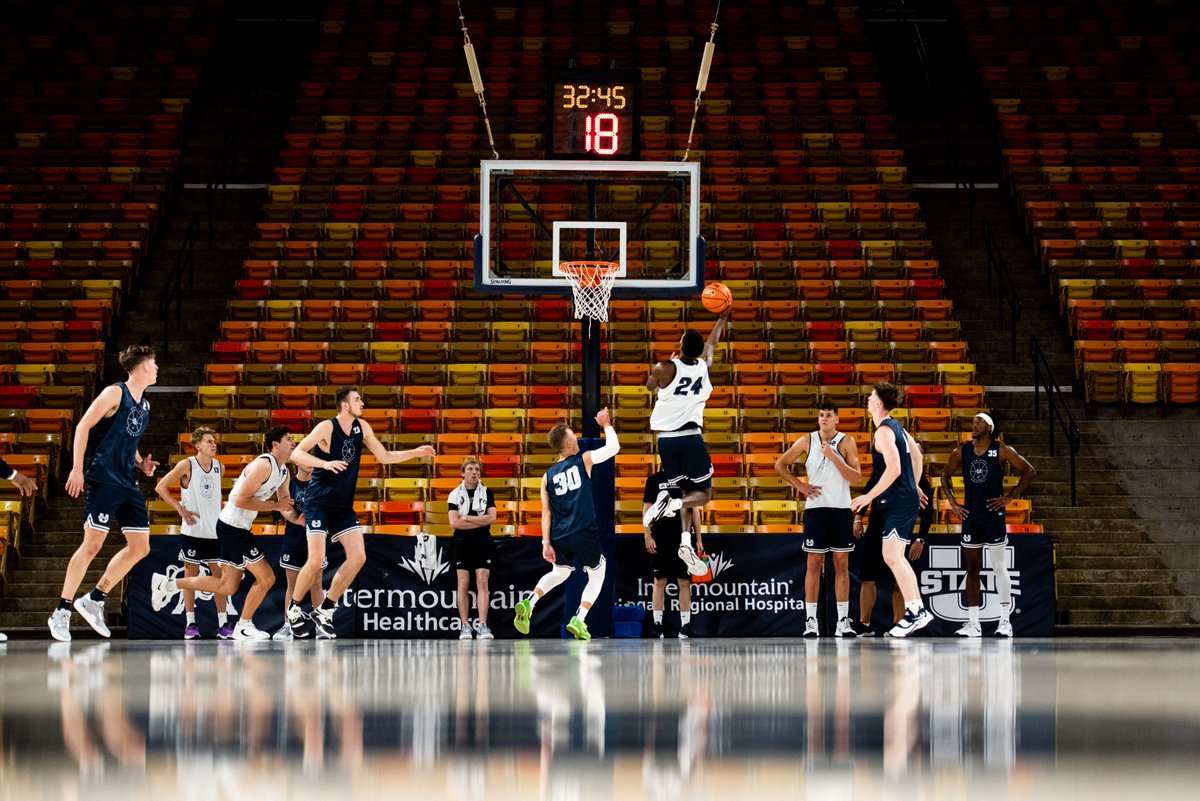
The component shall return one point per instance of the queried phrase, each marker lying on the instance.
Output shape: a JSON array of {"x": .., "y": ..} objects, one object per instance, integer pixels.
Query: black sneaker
[
  {"x": 685, "y": 632},
  {"x": 302, "y": 626},
  {"x": 656, "y": 631},
  {"x": 862, "y": 629}
]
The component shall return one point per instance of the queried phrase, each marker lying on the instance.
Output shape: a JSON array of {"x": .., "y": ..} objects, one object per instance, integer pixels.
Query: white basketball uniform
[
  {"x": 823, "y": 473},
  {"x": 233, "y": 515},
  {"x": 681, "y": 403},
  {"x": 202, "y": 496}
]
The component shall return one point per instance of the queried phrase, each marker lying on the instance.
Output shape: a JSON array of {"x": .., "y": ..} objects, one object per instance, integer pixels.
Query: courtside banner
[
  {"x": 757, "y": 587},
  {"x": 408, "y": 588}
]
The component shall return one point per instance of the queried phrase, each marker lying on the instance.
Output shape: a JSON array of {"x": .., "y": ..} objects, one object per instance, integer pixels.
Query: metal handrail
[
  {"x": 172, "y": 294},
  {"x": 1004, "y": 281},
  {"x": 1056, "y": 406}
]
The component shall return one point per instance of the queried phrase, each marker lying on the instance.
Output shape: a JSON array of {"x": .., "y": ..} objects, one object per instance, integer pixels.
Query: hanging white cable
[
  {"x": 710, "y": 47},
  {"x": 476, "y": 79}
]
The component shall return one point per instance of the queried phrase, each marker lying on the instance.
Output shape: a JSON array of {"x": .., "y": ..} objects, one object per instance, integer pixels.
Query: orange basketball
[{"x": 716, "y": 297}]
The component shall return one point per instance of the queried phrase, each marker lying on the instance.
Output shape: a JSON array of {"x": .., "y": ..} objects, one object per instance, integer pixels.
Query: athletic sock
[
  {"x": 222, "y": 619},
  {"x": 810, "y": 610},
  {"x": 843, "y": 608},
  {"x": 581, "y": 613},
  {"x": 328, "y": 606},
  {"x": 191, "y": 618},
  {"x": 97, "y": 595},
  {"x": 914, "y": 606},
  {"x": 973, "y": 615},
  {"x": 64, "y": 603},
  {"x": 658, "y": 618},
  {"x": 685, "y": 618}
]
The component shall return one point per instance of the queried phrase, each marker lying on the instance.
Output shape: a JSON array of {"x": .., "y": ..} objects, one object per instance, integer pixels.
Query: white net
[{"x": 592, "y": 283}]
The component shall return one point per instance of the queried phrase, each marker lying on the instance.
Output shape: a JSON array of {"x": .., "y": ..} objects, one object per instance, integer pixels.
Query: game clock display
[{"x": 593, "y": 115}]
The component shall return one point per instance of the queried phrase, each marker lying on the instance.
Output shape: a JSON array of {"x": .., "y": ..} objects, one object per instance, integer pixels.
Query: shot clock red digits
[{"x": 594, "y": 114}]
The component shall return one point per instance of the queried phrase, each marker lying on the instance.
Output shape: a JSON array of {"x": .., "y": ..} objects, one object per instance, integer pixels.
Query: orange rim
[{"x": 589, "y": 273}]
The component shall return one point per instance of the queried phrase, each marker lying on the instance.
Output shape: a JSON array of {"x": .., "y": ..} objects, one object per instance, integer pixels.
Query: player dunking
[
  {"x": 569, "y": 535},
  {"x": 119, "y": 415},
  {"x": 199, "y": 505},
  {"x": 264, "y": 479},
  {"x": 333, "y": 450},
  {"x": 898, "y": 500},
  {"x": 683, "y": 387},
  {"x": 983, "y": 524}
]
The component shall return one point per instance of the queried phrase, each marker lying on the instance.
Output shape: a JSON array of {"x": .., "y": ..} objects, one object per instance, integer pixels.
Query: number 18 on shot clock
[{"x": 593, "y": 114}]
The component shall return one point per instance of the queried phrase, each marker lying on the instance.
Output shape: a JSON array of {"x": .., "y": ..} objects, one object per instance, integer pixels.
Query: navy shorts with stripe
[
  {"x": 107, "y": 503},
  {"x": 331, "y": 523},
  {"x": 898, "y": 523},
  {"x": 578, "y": 548},
  {"x": 828, "y": 529},
  {"x": 295, "y": 548},
  {"x": 237, "y": 546},
  {"x": 984, "y": 528},
  {"x": 685, "y": 461},
  {"x": 198, "y": 550}
]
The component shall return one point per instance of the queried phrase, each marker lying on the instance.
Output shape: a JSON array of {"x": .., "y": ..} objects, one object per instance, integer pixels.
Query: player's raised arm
[
  {"x": 611, "y": 446},
  {"x": 714, "y": 336}
]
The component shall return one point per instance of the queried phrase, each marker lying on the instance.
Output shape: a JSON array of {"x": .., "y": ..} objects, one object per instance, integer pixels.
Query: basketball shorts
[
  {"x": 198, "y": 550},
  {"x": 685, "y": 461},
  {"x": 295, "y": 548},
  {"x": 984, "y": 528},
  {"x": 330, "y": 522},
  {"x": 579, "y": 548},
  {"x": 827, "y": 529},
  {"x": 898, "y": 523},
  {"x": 107, "y": 503},
  {"x": 237, "y": 546},
  {"x": 666, "y": 563},
  {"x": 474, "y": 553}
]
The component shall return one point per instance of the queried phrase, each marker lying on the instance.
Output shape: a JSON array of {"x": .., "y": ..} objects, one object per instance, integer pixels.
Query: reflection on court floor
[{"x": 719, "y": 719}]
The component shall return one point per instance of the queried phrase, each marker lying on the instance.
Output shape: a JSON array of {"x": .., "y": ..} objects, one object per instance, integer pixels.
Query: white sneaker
[
  {"x": 464, "y": 631},
  {"x": 246, "y": 630},
  {"x": 60, "y": 625},
  {"x": 283, "y": 635},
  {"x": 695, "y": 565},
  {"x": 323, "y": 618},
  {"x": 912, "y": 622},
  {"x": 3, "y": 637},
  {"x": 160, "y": 596},
  {"x": 845, "y": 628},
  {"x": 971, "y": 630},
  {"x": 1005, "y": 628},
  {"x": 93, "y": 613},
  {"x": 810, "y": 627},
  {"x": 664, "y": 506},
  {"x": 485, "y": 633}
]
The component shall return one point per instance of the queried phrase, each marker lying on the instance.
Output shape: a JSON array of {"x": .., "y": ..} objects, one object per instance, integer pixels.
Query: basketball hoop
[{"x": 591, "y": 283}]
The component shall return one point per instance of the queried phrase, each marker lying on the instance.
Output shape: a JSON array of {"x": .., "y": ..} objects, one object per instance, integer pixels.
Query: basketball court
[{"x": 541, "y": 719}]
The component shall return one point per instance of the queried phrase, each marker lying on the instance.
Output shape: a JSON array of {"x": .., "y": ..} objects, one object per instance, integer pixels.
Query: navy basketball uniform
[
  {"x": 111, "y": 477},
  {"x": 898, "y": 503},
  {"x": 329, "y": 502},
  {"x": 983, "y": 480},
  {"x": 295, "y": 536},
  {"x": 573, "y": 530}
]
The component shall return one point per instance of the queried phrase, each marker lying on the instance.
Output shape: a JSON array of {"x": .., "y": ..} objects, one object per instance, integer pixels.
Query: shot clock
[{"x": 593, "y": 114}]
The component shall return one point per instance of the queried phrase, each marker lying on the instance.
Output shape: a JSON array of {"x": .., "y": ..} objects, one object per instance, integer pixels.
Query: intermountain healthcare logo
[
  {"x": 942, "y": 584},
  {"x": 724, "y": 594},
  {"x": 427, "y": 559}
]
